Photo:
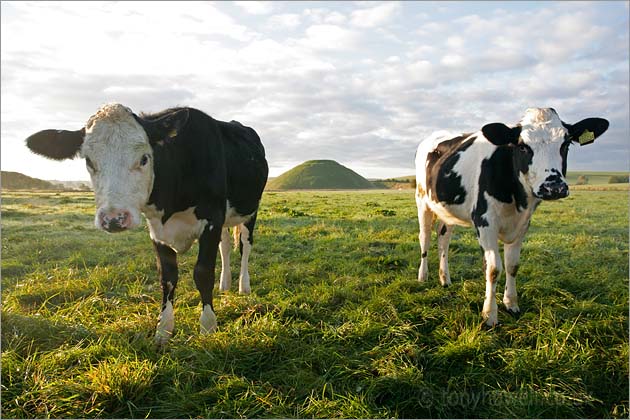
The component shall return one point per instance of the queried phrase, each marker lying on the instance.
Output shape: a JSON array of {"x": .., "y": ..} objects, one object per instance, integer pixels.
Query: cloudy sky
[{"x": 358, "y": 82}]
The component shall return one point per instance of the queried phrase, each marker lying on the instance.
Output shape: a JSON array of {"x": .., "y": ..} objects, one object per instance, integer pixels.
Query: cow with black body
[
  {"x": 494, "y": 179},
  {"x": 192, "y": 177}
]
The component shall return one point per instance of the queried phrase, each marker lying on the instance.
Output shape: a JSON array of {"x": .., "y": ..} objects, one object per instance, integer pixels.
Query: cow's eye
[
  {"x": 144, "y": 160},
  {"x": 89, "y": 164}
]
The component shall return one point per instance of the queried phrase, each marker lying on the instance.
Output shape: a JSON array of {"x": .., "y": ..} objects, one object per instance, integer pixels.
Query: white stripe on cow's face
[
  {"x": 120, "y": 162},
  {"x": 543, "y": 132}
]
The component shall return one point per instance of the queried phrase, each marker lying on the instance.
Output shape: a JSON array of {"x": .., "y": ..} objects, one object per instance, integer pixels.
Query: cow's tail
[{"x": 237, "y": 236}]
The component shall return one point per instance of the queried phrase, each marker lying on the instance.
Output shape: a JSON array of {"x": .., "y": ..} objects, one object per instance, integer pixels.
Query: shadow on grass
[{"x": 31, "y": 331}]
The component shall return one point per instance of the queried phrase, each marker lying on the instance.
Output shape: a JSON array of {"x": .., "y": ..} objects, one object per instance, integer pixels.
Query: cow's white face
[
  {"x": 119, "y": 159},
  {"x": 544, "y": 141},
  {"x": 540, "y": 144},
  {"x": 118, "y": 152}
]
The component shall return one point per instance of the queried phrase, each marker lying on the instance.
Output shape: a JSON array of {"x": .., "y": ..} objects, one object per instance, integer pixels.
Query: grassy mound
[
  {"x": 319, "y": 174},
  {"x": 16, "y": 180}
]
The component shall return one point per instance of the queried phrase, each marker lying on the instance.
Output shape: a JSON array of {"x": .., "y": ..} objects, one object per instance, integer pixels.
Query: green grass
[{"x": 336, "y": 326}]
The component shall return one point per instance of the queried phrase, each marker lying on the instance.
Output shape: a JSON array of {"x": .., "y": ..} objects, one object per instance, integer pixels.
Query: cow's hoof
[
  {"x": 161, "y": 339},
  {"x": 488, "y": 327},
  {"x": 516, "y": 313},
  {"x": 207, "y": 321},
  {"x": 511, "y": 306},
  {"x": 491, "y": 320},
  {"x": 243, "y": 284}
]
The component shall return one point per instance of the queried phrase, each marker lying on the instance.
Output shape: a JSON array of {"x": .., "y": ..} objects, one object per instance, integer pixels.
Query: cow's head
[
  {"x": 540, "y": 144},
  {"x": 117, "y": 147}
]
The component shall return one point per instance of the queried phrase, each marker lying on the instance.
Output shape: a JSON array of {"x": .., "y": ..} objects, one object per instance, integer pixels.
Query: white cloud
[
  {"x": 335, "y": 18},
  {"x": 455, "y": 42},
  {"x": 374, "y": 16},
  {"x": 329, "y": 37},
  {"x": 256, "y": 7},
  {"x": 452, "y": 60},
  {"x": 284, "y": 21}
]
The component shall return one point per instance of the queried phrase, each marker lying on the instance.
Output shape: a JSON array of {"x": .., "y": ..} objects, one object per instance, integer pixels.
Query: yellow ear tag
[
  {"x": 586, "y": 137},
  {"x": 172, "y": 133}
]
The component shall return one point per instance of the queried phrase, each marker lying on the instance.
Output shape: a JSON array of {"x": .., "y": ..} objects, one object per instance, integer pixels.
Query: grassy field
[{"x": 336, "y": 326}]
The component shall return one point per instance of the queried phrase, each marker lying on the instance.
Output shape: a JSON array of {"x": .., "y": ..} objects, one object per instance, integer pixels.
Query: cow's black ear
[
  {"x": 56, "y": 144},
  {"x": 500, "y": 134},
  {"x": 586, "y": 131},
  {"x": 166, "y": 126}
]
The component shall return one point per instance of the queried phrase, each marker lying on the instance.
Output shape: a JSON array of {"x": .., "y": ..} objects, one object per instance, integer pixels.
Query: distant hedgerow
[{"x": 618, "y": 179}]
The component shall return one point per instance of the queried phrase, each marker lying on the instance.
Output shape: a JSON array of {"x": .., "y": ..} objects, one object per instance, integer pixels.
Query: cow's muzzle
[
  {"x": 553, "y": 191},
  {"x": 115, "y": 220}
]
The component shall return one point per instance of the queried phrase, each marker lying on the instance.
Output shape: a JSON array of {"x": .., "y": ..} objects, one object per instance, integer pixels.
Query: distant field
[
  {"x": 337, "y": 325},
  {"x": 594, "y": 178},
  {"x": 599, "y": 179}
]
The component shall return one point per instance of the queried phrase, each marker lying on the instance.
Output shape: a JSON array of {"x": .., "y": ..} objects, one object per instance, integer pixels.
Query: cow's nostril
[{"x": 116, "y": 220}]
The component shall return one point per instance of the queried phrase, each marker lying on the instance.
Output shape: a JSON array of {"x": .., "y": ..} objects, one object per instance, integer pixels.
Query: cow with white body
[
  {"x": 191, "y": 176},
  {"x": 494, "y": 179}
]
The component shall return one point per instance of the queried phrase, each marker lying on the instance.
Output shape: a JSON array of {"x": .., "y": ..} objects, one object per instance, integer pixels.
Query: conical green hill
[{"x": 319, "y": 174}]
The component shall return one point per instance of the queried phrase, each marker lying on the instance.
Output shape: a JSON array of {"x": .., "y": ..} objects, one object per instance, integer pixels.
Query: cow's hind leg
[
  {"x": 425, "y": 219},
  {"x": 204, "y": 276},
  {"x": 167, "y": 269},
  {"x": 246, "y": 243},
  {"x": 490, "y": 245},
  {"x": 224, "y": 249},
  {"x": 444, "y": 232},
  {"x": 512, "y": 254}
]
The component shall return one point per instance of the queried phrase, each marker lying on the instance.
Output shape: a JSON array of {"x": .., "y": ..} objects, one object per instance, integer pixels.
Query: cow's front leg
[
  {"x": 444, "y": 237},
  {"x": 204, "y": 276},
  {"x": 225, "y": 247},
  {"x": 425, "y": 219},
  {"x": 167, "y": 269},
  {"x": 490, "y": 244},
  {"x": 512, "y": 254},
  {"x": 246, "y": 243}
]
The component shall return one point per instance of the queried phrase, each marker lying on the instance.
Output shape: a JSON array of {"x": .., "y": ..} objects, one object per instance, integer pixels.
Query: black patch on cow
[
  {"x": 500, "y": 134},
  {"x": 554, "y": 178},
  {"x": 203, "y": 163},
  {"x": 443, "y": 230},
  {"x": 164, "y": 124},
  {"x": 494, "y": 274},
  {"x": 499, "y": 179},
  {"x": 445, "y": 185}
]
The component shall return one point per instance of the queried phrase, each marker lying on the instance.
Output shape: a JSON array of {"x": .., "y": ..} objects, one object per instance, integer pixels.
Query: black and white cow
[
  {"x": 191, "y": 176},
  {"x": 493, "y": 180}
]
